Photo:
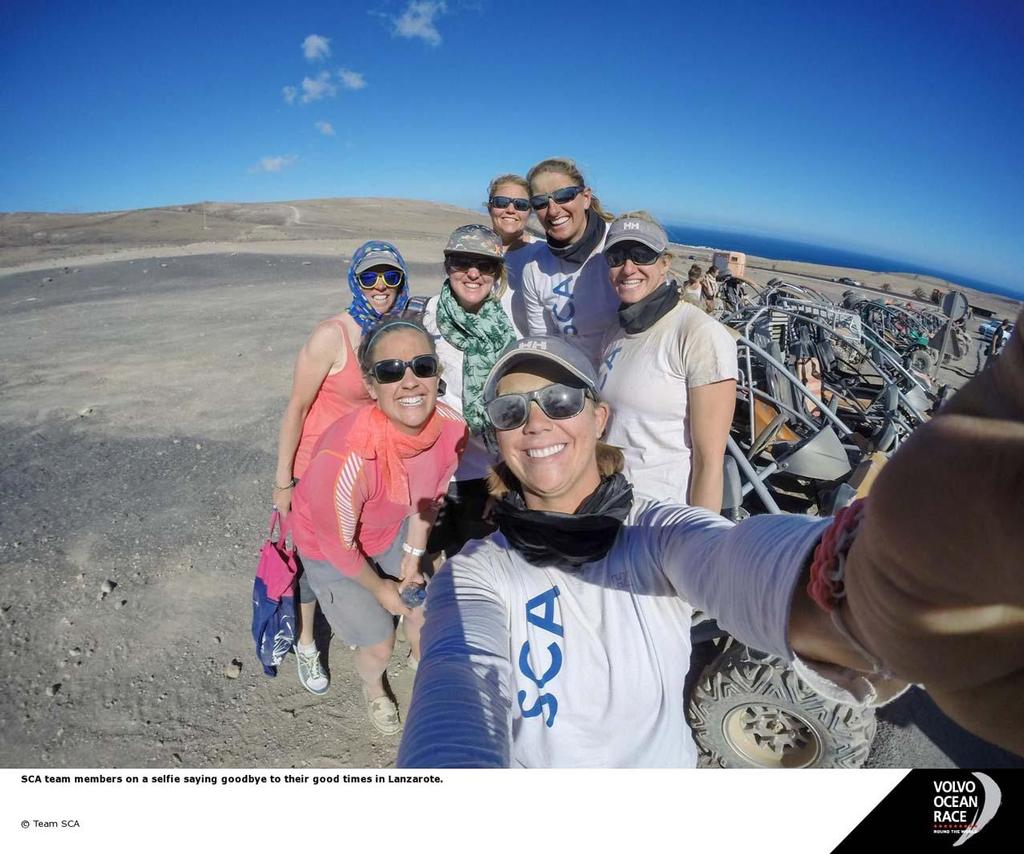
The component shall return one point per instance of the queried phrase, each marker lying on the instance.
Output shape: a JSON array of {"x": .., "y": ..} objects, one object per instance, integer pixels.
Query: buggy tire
[
  {"x": 748, "y": 710},
  {"x": 922, "y": 361}
]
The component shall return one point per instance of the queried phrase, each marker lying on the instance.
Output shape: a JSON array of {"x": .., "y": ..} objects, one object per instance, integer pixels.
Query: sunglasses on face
[
  {"x": 369, "y": 279},
  {"x": 502, "y": 202},
  {"x": 636, "y": 252},
  {"x": 557, "y": 401},
  {"x": 561, "y": 197},
  {"x": 462, "y": 263},
  {"x": 392, "y": 370}
]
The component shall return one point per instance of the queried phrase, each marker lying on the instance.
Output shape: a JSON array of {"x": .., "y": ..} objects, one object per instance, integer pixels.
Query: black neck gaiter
[
  {"x": 580, "y": 251},
  {"x": 545, "y": 538},
  {"x": 644, "y": 314}
]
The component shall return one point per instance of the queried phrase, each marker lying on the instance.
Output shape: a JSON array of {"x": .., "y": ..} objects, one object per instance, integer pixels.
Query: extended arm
[{"x": 461, "y": 710}]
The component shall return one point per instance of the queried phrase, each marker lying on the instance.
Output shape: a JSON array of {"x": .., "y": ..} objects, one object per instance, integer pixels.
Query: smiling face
[
  {"x": 554, "y": 459},
  {"x": 410, "y": 402},
  {"x": 633, "y": 282},
  {"x": 471, "y": 286},
  {"x": 380, "y": 297},
  {"x": 507, "y": 221},
  {"x": 563, "y": 223}
]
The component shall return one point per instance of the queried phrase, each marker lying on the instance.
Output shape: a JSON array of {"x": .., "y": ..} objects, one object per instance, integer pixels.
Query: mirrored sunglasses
[
  {"x": 561, "y": 197},
  {"x": 557, "y": 401},
  {"x": 392, "y": 370},
  {"x": 502, "y": 202},
  {"x": 368, "y": 279},
  {"x": 638, "y": 253}
]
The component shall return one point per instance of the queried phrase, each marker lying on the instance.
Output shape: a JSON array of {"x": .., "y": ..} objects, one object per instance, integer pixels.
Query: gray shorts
[{"x": 352, "y": 610}]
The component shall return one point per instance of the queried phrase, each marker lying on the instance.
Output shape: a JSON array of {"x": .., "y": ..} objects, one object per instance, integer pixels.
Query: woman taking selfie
[
  {"x": 669, "y": 373},
  {"x": 363, "y": 510},
  {"x": 565, "y": 283},
  {"x": 326, "y": 385},
  {"x": 563, "y": 640}
]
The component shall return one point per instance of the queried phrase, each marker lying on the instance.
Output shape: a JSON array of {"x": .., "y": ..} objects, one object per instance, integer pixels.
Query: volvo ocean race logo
[{"x": 963, "y": 807}]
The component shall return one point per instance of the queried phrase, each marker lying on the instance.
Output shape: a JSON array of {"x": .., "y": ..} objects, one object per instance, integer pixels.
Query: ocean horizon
[{"x": 781, "y": 249}]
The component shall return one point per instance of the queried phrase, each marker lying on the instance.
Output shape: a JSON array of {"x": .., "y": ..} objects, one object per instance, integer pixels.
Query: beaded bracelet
[{"x": 828, "y": 566}]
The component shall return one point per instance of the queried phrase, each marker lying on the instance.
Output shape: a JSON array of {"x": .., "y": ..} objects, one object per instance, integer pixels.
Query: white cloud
[
  {"x": 417, "y": 21},
  {"x": 275, "y": 164},
  {"x": 351, "y": 79},
  {"x": 316, "y": 47},
  {"x": 313, "y": 89},
  {"x": 326, "y": 128},
  {"x": 289, "y": 94}
]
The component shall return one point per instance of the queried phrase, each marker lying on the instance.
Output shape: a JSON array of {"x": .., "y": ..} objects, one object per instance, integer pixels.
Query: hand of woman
[
  {"x": 387, "y": 595},
  {"x": 933, "y": 582},
  {"x": 410, "y": 571},
  {"x": 282, "y": 500}
]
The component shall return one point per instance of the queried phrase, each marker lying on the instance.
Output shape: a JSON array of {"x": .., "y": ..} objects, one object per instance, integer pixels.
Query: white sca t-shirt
[
  {"x": 645, "y": 378},
  {"x": 476, "y": 460},
  {"x": 574, "y": 302},
  {"x": 545, "y": 667},
  {"x": 515, "y": 261}
]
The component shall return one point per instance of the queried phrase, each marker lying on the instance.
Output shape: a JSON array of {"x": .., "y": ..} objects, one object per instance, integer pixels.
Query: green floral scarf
[{"x": 481, "y": 337}]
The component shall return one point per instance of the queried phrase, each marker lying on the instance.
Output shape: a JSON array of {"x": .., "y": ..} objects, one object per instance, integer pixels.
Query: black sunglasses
[
  {"x": 392, "y": 370},
  {"x": 562, "y": 196},
  {"x": 462, "y": 263},
  {"x": 636, "y": 252},
  {"x": 557, "y": 401},
  {"x": 502, "y": 202}
]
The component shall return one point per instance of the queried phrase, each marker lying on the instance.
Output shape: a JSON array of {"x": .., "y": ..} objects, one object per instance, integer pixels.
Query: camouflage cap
[{"x": 478, "y": 240}]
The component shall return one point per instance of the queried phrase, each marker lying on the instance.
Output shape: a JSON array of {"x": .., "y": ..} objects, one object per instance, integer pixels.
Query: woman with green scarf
[{"x": 471, "y": 323}]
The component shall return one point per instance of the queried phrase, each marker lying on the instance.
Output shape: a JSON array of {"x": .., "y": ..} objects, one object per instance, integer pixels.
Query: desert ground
[{"x": 145, "y": 360}]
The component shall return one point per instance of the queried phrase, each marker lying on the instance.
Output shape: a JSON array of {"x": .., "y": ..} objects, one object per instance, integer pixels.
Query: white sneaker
[{"x": 311, "y": 675}]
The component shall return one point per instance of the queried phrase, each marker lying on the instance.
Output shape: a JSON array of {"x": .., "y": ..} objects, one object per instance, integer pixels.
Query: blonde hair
[
  {"x": 565, "y": 166},
  {"x": 510, "y": 178}
]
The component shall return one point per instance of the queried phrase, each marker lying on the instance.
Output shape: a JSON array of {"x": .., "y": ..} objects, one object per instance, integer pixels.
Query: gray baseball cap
[
  {"x": 636, "y": 230},
  {"x": 378, "y": 258},
  {"x": 543, "y": 347},
  {"x": 478, "y": 240}
]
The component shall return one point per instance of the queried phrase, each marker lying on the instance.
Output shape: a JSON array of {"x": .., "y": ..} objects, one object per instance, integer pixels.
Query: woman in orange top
[{"x": 327, "y": 384}]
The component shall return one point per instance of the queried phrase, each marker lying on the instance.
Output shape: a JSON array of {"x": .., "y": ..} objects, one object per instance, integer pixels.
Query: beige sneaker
[{"x": 383, "y": 715}]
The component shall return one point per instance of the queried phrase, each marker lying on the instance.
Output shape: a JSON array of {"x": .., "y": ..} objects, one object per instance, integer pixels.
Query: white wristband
[{"x": 409, "y": 550}]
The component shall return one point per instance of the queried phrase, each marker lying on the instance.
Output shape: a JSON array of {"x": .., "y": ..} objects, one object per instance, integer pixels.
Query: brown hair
[
  {"x": 565, "y": 166},
  {"x": 694, "y": 273}
]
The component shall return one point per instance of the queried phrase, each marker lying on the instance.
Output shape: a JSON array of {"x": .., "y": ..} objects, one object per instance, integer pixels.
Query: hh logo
[{"x": 629, "y": 225}]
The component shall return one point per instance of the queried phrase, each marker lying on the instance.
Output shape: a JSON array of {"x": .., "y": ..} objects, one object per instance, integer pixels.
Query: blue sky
[{"x": 891, "y": 128}]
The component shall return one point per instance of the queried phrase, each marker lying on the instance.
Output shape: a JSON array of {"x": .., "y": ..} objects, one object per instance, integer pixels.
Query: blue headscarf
[{"x": 360, "y": 309}]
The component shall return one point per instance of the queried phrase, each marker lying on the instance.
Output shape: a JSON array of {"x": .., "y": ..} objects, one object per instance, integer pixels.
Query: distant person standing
[
  {"x": 709, "y": 288},
  {"x": 565, "y": 283},
  {"x": 508, "y": 203},
  {"x": 692, "y": 291},
  {"x": 1000, "y": 335}
]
